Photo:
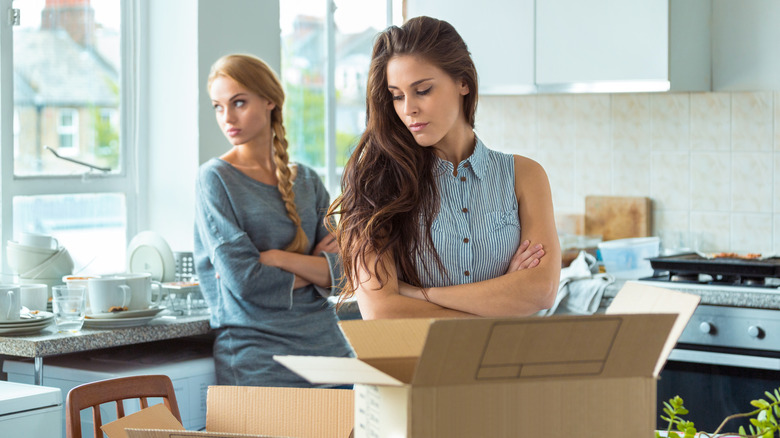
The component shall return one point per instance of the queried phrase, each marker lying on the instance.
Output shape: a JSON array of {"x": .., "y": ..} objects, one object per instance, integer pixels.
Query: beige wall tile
[
  {"x": 631, "y": 122},
  {"x": 593, "y": 122},
  {"x": 752, "y": 179},
  {"x": 670, "y": 117},
  {"x": 593, "y": 175},
  {"x": 520, "y": 125},
  {"x": 631, "y": 173},
  {"x": 711, "y": 181},
  {"x": 490, "y": 121},
  {"x": 714, "y": 229},
  {"x": 776, "y": 105},
  {"x": 710, "y": 121},
  {"x": 751, "y": 121},
  {"x": 776, "y": 176},
  {"x": 750, "y": 232},
  {"x": 670, "y": 185},
  {"x": 670, "y": 220},
  {"x": 556, "y": 121},
  {"x": 560, "y": 172},
  {"x": 777, "y": 234}
]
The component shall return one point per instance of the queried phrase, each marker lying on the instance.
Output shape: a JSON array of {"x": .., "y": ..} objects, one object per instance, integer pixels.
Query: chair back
[{"x": 92, "y": 395}]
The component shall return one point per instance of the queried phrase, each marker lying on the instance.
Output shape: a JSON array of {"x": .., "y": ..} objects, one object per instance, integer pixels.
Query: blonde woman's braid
[{"x": 285, "y": 184}]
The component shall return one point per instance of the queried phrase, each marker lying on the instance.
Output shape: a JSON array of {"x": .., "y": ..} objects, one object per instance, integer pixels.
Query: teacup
[
  {"x": 141, "y": 289},
  {"x": 78, "y": 280},
  {"x": 105, "y": 293},
  {"x": 39, "y": 240},
  {"x": 10, "y": 304},
  {"x": 34, "y": 296}
]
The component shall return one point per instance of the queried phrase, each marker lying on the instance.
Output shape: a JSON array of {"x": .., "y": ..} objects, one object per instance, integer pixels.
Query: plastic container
[{"x": 627, "y": 258}]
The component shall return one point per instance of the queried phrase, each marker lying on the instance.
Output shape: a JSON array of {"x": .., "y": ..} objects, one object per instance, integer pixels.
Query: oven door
[{"x": 717, "y": 382}]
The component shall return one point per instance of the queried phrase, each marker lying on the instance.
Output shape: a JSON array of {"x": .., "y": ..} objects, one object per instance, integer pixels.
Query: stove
[{"x": 729, "y": 353}]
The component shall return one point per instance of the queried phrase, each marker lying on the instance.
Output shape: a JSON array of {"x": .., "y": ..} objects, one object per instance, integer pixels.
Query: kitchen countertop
[{"x": 50, "y": 343}]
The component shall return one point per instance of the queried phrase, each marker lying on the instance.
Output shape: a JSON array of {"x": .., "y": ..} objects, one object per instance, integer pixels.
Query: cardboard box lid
[
  {"x": 167, "y": 433},
  {"x": 154, "y": 417},
  {"x": 470, "y": 351},
  {"x": 635, "y": 297},
  {"x": 294, "y": 412}
]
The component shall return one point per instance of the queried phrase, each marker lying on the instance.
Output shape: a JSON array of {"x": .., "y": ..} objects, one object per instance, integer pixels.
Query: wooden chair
[{"x": 92, "y": 395}]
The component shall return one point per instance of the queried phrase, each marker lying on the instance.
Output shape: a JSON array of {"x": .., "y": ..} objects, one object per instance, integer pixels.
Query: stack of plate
[
  {"x": 29, "y": 324},
  {"x": 128, "y": 318}
]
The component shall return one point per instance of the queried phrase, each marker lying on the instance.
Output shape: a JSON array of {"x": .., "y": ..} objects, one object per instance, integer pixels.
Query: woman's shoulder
[{"x": 306, "y": 174}]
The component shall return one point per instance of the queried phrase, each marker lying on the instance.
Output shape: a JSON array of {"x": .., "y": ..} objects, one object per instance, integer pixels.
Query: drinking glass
[{"x": 69, "y": 305}]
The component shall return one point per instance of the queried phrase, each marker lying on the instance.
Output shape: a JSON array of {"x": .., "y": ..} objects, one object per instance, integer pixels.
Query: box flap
[
  {"x": 296, "y": 412},
  {"x": 154, "y": 417},
  {"x": 336, "y": 370},
  {"x": 641, "y": 298},
  {"x": 386, "y": 338},
  {"x": 461, "y": 351},
  {"x": 166, "y": 433}
]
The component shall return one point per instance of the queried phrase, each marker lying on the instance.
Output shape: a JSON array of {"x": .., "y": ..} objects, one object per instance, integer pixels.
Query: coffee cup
[
  {"x": 34, "y": 296},
  {"x": 10, "y": 304},
  {"x": 39, "y": 240},
  {"x": 141, "y": 289},
  {"x": 105, "y": 293}
]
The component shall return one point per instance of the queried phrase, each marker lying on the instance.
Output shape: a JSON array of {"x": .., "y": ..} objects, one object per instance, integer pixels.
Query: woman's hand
[
  {"x": 327, "y": 244},
  {"x": 525, "y": 257}
]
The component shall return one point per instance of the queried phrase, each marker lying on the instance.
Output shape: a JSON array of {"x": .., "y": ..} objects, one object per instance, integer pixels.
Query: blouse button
[
  {"x": 465, "y": 164},
  {"x": 466, "y": 273},
  {"x": 465, "y": 210},
  {"x": 463, "y": 178},
  {"x": 466, "y": 240}
]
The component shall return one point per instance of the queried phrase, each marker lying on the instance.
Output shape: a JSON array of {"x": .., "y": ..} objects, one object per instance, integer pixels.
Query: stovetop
[{"x": 715, "y": 291}]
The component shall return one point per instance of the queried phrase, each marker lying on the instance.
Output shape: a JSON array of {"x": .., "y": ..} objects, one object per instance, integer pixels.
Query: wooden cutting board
[{"x": 618, "y": 217}]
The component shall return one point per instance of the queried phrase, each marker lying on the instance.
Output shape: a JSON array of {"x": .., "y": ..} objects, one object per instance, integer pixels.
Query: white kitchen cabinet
[
  {"x": 746, "y": 37},
  {"x": 623, "y": 45},
  {"x": 500, "y": 37}
]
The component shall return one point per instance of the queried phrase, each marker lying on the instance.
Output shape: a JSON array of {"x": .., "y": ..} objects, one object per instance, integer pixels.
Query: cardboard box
[
  {"x": 562, "y": 376},
  {"x": 242, "y": 411}
]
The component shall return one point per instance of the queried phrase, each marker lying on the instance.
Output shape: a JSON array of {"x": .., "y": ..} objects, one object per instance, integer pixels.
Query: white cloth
[{"x": 580, "y": 289}]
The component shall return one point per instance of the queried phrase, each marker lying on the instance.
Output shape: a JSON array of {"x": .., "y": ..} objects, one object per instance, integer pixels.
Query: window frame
[{"x": 124, "y": 181}]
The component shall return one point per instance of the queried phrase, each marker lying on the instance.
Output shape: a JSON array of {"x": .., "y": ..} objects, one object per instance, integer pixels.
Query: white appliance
[
  {"x": 30, "y": 411},
  {"x": 189, "y": 365}
]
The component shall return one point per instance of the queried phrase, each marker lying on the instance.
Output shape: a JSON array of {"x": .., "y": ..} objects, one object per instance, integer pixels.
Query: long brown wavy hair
[
  {"x": 256, "y": 76},
  {"x": 389, "y": 191}
]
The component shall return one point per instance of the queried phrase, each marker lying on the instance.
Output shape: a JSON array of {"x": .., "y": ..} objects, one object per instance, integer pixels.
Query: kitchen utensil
[
  {"x": 695, "y": 263},
  {"x": 56, "y": 266},
  {"x": 618, "y": 217},
  {"x": 141, "y": 289},
  {"x": 627, "y": 258},
  {"x": 108, "y": 292},
  {"x": 10, "y": 306},
  {"x": 39, "y": 241},
  {"x": 34, "y": 296},
  {"x": 22, "y": 258},
  {"x": 69, "y": 304},
  {"x": 126, "y": 314},
  {"x": 149, "y": 252}
]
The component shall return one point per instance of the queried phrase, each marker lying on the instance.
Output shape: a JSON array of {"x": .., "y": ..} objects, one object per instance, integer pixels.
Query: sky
[{"x": 106, "y": 12}]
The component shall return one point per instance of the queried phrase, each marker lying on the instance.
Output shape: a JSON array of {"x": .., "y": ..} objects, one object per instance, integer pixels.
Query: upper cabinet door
[
  {"x": 500, "y": 37},
  {"x": 602, "y": 41}
]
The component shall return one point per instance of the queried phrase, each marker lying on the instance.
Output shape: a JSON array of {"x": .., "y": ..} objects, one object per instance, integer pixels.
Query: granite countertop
[{"x": 49, "y": 342}]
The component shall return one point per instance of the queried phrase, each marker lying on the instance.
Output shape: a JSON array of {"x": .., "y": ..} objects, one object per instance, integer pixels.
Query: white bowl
[
  {"x": 56, "y": 266},
  {"x": 22, "y": 258},
  {"x": 627, "y": 258}
]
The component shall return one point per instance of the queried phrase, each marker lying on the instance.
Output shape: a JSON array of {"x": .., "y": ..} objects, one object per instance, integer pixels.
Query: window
[
  {"x": 68, "y": 131},
  {"x": 325, "y": 60},
  {"x": 67, "y": 102}
]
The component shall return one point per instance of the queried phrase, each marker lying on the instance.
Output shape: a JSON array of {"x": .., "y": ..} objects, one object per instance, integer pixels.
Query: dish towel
[{"x": 580, "y": 289}]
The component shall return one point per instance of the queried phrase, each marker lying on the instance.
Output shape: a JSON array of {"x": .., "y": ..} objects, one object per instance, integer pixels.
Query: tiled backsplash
[{"x": 709, "y": 161}]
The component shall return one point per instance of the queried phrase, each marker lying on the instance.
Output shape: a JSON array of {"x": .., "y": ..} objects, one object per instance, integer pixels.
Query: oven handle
[{"x": 725, "y": 359}]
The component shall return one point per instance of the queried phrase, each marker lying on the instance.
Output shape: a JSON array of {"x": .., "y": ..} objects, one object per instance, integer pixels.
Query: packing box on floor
[
  {"x": 251, "y": 412},
  {"x": 562, "y": 376}
]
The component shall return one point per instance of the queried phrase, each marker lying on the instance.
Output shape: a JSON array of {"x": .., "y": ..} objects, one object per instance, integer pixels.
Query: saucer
[
  {"x": 152, "y": 311},
  {"x": 28, "y": 320},
  {"x": 117, "y": 323}
]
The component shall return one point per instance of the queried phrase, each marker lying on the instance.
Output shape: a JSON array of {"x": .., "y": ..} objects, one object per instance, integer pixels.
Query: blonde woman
[{"x": 263, "y": 255}]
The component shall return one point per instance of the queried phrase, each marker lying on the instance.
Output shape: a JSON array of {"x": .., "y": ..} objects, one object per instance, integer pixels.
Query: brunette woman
[
  {"x": 432, "y": 222},
  {"x": 261, "y": 247}
]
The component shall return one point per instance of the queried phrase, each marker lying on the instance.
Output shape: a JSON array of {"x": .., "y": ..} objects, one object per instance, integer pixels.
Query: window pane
[
  {"x": 92, "y": 227},
  {"x": 66, "y": 76},
  {"x": 303, "y": 77}
]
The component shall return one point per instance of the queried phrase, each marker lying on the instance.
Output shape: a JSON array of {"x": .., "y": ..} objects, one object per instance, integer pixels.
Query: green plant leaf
[{"x": 761, "y": 404}]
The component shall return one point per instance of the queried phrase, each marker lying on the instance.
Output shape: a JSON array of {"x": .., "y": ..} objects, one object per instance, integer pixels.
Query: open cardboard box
[
  {"x": 561, "y": 376},
  {"x": 241, "y": 411}
]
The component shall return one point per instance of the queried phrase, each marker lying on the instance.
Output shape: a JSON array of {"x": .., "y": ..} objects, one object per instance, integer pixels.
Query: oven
[{"x": 729, "y": 353}]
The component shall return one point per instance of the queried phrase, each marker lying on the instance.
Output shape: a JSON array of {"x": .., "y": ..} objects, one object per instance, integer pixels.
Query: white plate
[
  {"x": 149, "y": 252},
  {"x": 127, "y": 313},
  {"x": 117, "y": 323},
  {"x": 25, "y": 330},
  {"x": 36, "y": 319}
]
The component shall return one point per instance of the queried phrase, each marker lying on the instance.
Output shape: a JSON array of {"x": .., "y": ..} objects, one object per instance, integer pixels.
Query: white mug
[
  {"x": 105, "y": 293},
  {"x": 141, "y": 288},
  {"x": 34, "y": 296},
  {"x": 10, "y": 306},
  {"x": 39, "y": 240}
]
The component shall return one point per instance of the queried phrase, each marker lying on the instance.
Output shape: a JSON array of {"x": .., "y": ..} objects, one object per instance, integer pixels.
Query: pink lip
[
  {"x": 414, "y": 127},
  {"x": 232, "y": 132}
]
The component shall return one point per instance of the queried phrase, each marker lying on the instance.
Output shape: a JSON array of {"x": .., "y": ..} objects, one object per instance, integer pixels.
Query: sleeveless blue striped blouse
[{"x": 477, "y": 229}]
